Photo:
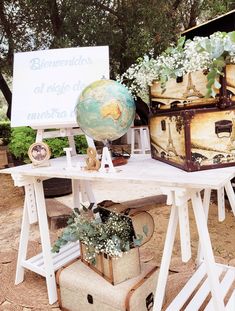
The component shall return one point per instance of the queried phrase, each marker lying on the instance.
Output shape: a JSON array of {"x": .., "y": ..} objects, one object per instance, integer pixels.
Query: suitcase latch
[
  {"x": 90, "y": 299},
  {"x": 223, "y": 128},
  {"x": 149, "y": 301},
  {"x": 163, "y": 125}
]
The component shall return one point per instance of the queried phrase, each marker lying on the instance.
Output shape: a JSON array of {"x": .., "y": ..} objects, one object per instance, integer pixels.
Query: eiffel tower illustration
[
  {"x": 191, "y": 90},
  {"x": 170, "y": 146}
]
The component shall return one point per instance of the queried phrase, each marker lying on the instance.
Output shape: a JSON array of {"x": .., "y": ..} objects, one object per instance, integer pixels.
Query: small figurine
[{"x": 93, "y": 164}]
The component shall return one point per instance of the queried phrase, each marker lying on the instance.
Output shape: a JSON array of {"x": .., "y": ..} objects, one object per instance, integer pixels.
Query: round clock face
[{"x": 39, "y": 152}]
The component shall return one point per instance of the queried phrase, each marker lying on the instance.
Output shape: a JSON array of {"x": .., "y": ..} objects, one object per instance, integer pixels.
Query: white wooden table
[{"x": 181, "y": 186}]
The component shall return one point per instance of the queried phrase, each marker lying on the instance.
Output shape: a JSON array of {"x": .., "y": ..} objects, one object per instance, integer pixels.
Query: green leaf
[
  {"x": 217, "y": 84},
  {"x": 211, "y": 75},
  {"x": 208, "y": 94},
  {"x": 181, "y": 41},
  {"x": 210, "y": 83},
  {"x": 232, "y": 36},
  {"x": 213, "y": 93},
  {"x": 219, "y": 63},
  {"x": 145, "y": 229},
  {"x": 137, "y": 242}
]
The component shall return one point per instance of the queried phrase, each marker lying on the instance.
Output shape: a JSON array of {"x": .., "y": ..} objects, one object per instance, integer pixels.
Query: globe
[{"x": 105, "y": 110}]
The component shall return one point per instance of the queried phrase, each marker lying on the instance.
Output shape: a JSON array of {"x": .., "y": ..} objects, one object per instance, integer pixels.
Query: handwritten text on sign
[{"x": 47, "y": 84}]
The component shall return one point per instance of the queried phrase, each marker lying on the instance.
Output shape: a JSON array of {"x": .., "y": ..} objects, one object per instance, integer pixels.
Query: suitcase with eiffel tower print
[
  {"x": 194, "y": 139},
  {"x": 190, "y": 91},
  {"x": 190, "y": 131}
]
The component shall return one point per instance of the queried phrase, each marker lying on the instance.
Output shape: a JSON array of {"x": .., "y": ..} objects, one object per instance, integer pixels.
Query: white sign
[{"x": 47, "y": 84}]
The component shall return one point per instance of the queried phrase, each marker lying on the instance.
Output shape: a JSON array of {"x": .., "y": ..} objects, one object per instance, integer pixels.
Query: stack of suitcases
[
  {"x": 125, "y": 284},
  {"x": 191, "y": 131},
  {"x": 188, "y": 130}
]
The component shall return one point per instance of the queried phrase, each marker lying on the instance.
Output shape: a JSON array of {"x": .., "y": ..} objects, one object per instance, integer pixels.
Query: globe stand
[{"x": 106, "y": 161}]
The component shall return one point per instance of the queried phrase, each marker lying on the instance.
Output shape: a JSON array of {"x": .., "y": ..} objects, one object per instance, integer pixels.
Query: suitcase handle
[
  {"x": 90, "y": 299},
  {"x": 223, "y": 126},
  {"x": 149, "y": 301}
]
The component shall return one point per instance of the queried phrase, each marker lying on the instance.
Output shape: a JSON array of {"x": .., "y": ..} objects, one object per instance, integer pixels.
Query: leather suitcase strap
[
  {"x": 57, "y": 278},
  {"x": 137, "y": 285}
]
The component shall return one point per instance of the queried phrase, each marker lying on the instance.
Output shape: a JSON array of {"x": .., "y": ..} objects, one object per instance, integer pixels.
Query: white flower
[{"x": 197, "y": 54}]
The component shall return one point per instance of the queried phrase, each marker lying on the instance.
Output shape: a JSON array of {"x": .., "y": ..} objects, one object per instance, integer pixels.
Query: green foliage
[
  {"x": 111, "y": 235},
  {"x": 20, "y": 141},
  {"x": 5, "y": 132},
  {"x": 22, "y": 137},
  {"x": 56, "y": 146},
  {"x": 208, "y": 54},
  {"x": 3, "y": 116},
  {"x": 81, "y": 144}
]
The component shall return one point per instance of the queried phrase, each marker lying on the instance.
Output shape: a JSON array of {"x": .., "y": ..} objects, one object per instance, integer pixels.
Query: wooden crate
[
  {"x": 115, "y": 269},
  {"x": 194, "y": 139},
  {"x": 80, "y": 289},
  {"x": 190, "y": 90}
]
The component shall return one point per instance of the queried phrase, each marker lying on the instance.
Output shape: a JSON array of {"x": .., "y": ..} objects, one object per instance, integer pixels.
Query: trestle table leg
[
  {"x": 206, "y": 205},
  {"x": 221, "y": 204},
  {"x": 166, "y": 258},
  {"x": 208, "y": 256},
  {"x": 184, "y": 232},
  {"x": 46, "y": 244},
  {"x": 23, "y": 245},
  {"x": 231, "y": 196}
]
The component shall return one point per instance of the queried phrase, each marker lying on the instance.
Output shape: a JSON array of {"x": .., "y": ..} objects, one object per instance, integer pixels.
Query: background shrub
[
  {"x": 5, "y": 132},
  {"x": 22, "y": 137}
]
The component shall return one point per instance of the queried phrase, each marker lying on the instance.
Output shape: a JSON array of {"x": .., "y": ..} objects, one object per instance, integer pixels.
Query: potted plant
[
  {"x": 107, "y": 243},
  {"x": 209, "y": 55}
]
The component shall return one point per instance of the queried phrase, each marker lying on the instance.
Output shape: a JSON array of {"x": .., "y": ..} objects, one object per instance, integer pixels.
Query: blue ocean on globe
[{"x": 105, "y": 110}]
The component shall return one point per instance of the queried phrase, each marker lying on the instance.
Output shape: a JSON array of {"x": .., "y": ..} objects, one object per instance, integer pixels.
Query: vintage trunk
[
  {"x": 194, "y": 139},
  {"x": 189, "y": 92},
  {"x": 115, "y": 269},
  {"x": 81, "y": 289}
]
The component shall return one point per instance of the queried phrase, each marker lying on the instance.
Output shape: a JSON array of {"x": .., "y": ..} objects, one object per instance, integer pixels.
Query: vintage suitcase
[
  {"x": 191, "y": 131},
  {"x": 81, "y": 289},
  {"x": 115, "y": 269},
  {"x": 194, "y": 139},
  {"x": 190, "y": 91}
]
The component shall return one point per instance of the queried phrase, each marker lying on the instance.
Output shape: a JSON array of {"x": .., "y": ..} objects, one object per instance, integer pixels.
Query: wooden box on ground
[
  {"x": 194, "y": 139},
  {"x": 57, "y": 214},
  {"x": 115, "y": 269},
  {"x": 81, "y": 289}
]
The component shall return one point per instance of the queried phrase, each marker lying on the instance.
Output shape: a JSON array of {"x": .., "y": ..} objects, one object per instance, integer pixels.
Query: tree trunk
[
  {"x": 142, "y": 111},
  {"x": 7, "y": 94}
]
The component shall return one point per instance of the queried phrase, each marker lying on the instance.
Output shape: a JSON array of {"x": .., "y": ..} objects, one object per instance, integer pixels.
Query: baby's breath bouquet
[
  {"x": 112, "y": 234},
  {"x": 210, "y": 54}
]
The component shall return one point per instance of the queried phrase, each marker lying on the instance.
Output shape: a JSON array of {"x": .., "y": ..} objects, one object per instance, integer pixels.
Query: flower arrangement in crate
[
  {"x": 209, "y": 55},
  {"x": 108, "y": 243}
]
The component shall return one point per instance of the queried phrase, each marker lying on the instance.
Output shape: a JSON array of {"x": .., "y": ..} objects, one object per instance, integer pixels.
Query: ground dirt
[{"x": 11, "y": 202}]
